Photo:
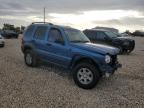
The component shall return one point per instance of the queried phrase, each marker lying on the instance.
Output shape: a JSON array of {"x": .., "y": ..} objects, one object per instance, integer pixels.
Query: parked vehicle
[
  {"x": 125, "y": 44},
  {"x": 9, "y": 34},
  {"x": 108, "y": 29},
  {"x": 124, "y": 35},
  {"x": 69, "y": 48},
  {"x": 2, "y": 42},
  {"x": 138, "y": 33}
]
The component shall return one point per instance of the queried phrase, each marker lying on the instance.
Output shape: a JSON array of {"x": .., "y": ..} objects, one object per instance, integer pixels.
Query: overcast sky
[{"x": 81, "y": 14}]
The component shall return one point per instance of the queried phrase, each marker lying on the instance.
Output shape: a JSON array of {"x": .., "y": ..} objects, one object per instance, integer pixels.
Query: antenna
[{"x": 44, "y": 14}]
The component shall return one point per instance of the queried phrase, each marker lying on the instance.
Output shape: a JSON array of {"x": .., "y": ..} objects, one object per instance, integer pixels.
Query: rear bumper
[
  {"x": 110, "y": 69},
  {"x": 7, "y": 36},
  {"x": 2, "y": 43}
]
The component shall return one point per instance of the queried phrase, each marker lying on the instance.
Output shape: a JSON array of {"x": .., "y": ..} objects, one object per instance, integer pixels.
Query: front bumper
[
  {"x": 129, "y": 46},
  {"x": 110, "y": 69}
]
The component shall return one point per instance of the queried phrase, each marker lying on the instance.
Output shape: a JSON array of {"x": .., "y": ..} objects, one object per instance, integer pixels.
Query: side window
[
  {"x": 55, "y": 36},
  {"x": 40, "y": 33},
  {"x": 29, "y": 31},
  {"x": 100, "y": 35},
  {"x": 91, "y": 35}
]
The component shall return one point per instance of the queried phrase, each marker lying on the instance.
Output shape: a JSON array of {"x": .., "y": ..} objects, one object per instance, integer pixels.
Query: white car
[{"x": 2, "y": 41}]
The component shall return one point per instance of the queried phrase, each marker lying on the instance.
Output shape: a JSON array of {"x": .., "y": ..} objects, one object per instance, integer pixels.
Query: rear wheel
[
  {"x": 16, "y": 37},
  {"x": 30, "y": 58},
  {"x": 86, "y": 75}
]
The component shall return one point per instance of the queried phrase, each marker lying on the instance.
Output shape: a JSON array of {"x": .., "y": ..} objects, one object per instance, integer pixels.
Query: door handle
[{"x": 48, "y": 44}]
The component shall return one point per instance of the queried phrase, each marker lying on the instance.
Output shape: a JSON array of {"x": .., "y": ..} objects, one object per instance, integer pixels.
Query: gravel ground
[{"x": 49, "y": 86}]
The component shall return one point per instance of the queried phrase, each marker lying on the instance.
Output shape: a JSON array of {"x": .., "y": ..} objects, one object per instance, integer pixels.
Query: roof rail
[{"x": 42, "y": 23}]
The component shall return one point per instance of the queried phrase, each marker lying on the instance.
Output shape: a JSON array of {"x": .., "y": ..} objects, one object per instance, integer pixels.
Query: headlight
[{"x": 107, "y": 59}]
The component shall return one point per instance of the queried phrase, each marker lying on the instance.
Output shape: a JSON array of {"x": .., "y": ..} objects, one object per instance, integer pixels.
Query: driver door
[{"x": 58, "y": 51}]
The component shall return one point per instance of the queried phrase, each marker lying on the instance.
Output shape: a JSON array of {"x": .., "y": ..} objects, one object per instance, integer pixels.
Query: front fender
[{"x": 79, "y": 58}]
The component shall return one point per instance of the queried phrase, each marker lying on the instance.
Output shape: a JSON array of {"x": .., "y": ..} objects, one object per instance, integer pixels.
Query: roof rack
[{"x": 42, "y": 23}]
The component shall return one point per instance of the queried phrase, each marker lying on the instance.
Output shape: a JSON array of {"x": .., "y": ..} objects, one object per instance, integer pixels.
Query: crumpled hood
[{"x": 96, "y": 48}]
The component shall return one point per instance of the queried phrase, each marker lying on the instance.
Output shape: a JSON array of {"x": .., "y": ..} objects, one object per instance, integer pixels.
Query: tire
[
  {"x": 128, "y": 51},
  {"x": 2, "y": 45},
  {"x": 81, "y": 80},
  {"x": 30, "y": 58},
  {"x": 16, "y": 37}
]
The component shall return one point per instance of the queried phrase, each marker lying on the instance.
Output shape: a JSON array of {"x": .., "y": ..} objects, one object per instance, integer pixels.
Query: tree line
[{"x": 16, "y": 29}]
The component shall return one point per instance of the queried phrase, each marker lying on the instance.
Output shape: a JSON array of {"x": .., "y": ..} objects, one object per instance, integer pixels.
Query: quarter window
[{"x": 29, "y": 31}]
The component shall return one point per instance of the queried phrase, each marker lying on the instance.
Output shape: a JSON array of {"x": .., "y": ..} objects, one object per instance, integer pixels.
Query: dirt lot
[{"x": 48, "y": 86}]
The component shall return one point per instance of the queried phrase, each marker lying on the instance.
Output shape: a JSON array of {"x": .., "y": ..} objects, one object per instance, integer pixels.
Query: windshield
[
  {"x": 111, "y": 34},
  {"x": 75, "y": 35}
]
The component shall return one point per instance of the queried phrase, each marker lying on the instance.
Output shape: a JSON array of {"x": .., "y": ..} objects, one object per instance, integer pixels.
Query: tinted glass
[
  {"x": 40, "y": 33},
  {"x": 91, "y": 35},
  {"x": 29, "y": 31},
  {"x": 55, "y": 36},
  {"x": 111, "y": 34},
  {"x": 100, "y": 35}
]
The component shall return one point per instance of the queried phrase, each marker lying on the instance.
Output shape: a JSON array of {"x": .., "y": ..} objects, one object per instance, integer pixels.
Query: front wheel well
[
  {"x": 27, "y": 48},
  {"x": 86, "y": 60}
]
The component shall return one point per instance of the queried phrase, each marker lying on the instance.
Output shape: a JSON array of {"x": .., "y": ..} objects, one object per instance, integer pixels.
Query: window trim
[{"x": 60, "y": 33}]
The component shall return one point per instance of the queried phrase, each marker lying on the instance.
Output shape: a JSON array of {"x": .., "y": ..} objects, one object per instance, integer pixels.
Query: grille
[
  {"x": 133, "y": 43},
  {"x": 114, "y": 59}
]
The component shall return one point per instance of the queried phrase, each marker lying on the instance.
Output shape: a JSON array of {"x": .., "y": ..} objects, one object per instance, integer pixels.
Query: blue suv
[{"x": 69, "y": 48}]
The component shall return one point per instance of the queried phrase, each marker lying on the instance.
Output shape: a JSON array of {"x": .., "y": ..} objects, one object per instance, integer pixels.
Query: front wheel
[
  {"x": 86, "y": 75},
  {"x": 128, "y": 51},
  {"x": 30, "y": 58},
  {"x": 121, "y": 50}
]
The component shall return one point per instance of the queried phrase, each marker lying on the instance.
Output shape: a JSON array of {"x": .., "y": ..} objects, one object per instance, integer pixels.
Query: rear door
[
  {"x": 57, "y": 49},
  {"x": 40, "y": 41}
]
